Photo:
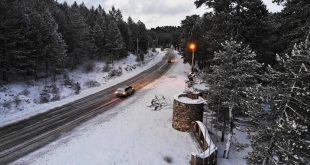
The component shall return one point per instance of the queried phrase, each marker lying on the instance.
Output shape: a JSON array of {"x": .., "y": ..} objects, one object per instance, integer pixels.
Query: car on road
[{"x": 124, "y": 91}]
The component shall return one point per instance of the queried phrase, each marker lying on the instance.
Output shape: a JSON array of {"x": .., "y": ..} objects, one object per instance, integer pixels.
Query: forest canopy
[{"x": 40, "y": 39}]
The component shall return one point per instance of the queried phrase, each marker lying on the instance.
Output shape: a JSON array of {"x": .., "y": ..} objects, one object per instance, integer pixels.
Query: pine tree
[
  {"x": 91, "y": 17},
  {"x": 3, "y": 47},
  {"x": 116, "y": 14},
  {"x": 295, "y": 22},
  {"x": 235, "y": 70},
  {"x": 283, "y": 132},
  {"x": 14, "y": 42},
  {"x": 99, "y": 35},
  {"x": 132, "y": 34},
  {"x": 124, "y": 29},
  {"x": 114, "y": 44},
  {"x": 56, "y": 49},
  {"x": 101, "y": 11},
  {"x": 143, "y": 37},
  {"x": 50, "y": 48},
  {"x": 81, "y": 45},
  {"x": 243, "y": 20}
]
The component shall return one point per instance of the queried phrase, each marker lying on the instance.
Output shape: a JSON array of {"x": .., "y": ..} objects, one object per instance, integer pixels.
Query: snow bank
[{"x": 202, "y": 87}]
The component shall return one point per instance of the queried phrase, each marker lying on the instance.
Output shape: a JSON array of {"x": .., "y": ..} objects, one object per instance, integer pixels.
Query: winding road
[{"x": 24, "y": 137}]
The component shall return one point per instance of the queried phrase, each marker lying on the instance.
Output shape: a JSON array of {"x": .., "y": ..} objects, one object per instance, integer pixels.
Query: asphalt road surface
[{"x": 24, "y": 137}]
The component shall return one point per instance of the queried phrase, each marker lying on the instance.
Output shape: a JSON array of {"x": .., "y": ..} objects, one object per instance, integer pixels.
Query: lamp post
[{"x": 192, "y": 47}]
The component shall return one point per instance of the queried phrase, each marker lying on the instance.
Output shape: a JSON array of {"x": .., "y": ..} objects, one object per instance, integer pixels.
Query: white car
[{"x": 124, "y": 91}]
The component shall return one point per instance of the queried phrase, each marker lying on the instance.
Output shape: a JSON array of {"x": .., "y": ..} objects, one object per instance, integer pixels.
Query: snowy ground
[
  {"x": 130, "y": 133},
  {"x": 240, "y": 146},
  {"x": 237, "y": 155},
  {"x": 22, "y": 99}
]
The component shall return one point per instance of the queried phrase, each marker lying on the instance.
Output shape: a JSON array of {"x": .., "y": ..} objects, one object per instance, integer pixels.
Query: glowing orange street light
[{"x": 192, "y": 47}]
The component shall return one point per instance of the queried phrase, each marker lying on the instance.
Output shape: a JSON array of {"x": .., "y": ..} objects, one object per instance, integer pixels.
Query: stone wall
[
  {"x": 211, "y": 160},
  {"x": 184, "y": 114},
  {"x": 209, "y": 155}
]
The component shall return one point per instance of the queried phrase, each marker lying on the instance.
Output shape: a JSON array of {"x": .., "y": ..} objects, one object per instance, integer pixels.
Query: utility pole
[
  {"x": 193, "y": 57},
  {"x": 137, "y": 45},
  {"x": 192, "y": 46},
  {"x": 148, "y": 47}
]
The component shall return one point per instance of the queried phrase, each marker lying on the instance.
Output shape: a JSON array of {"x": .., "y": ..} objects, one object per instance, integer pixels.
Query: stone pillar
[{"x": 186, "y": 113}]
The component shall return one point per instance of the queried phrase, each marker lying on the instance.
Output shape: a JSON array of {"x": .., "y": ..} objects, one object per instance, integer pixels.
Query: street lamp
[{"x": 192, "y": 47}]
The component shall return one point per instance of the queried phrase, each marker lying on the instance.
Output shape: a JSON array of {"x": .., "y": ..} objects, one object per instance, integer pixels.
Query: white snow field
[
  {"x": 129, "y": 134},
  {"x": 29, "y": 104}
]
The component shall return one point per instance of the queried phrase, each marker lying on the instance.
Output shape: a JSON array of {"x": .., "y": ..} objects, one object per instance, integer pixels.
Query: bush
[
  {"x": 25, "y": 92},
  {"x": 92, "y": 83},
  {"x": 106, "y": 68},
  {"x": 67, "y": 80},
  {"x": 115, "y": 73},
  {"x": 7, "y": 104},
  {"x": 130, "y": 67},
  {"x": 54, "y": 89},
  {"x": 89, "y": 66},
  {"x": 17, "y": 101},
  {"x": 77, "y": 88},
  {"x": 55, "y": 97},
  {"x": 44, "y": 97},
  {"x": 49, "y": 91}
]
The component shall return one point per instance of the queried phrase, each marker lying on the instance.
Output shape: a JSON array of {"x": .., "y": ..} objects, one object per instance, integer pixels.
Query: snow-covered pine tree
[
  {"x": 116, "y": 14},
  {"x": 283, "y": 134},
  {"x": 132, "y": 34},
  {"x": 50, "y": 48},
  {"x": 101, "y": 11},
  {"x": 114, "y": 44},
  {"x": 14, "y": 44},
  {"x": 80, "y": 42},
  {"x": 99, "y": 34},
  {"x": 2, "y": 41},
  {"x": 234, "y": 71},
  {"x": 143, "y": 37},
  {"x": 56, "y": 49}
]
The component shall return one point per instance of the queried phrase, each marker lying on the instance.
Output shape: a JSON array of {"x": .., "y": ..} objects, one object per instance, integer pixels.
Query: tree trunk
[
  {"x": 230, "y": 134},
  {"x": 223, "y": 129},
  {"x": 46, "y": 66}
]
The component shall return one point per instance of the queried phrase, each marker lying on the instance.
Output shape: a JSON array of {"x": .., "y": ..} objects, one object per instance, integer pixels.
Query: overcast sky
[{"x": 155, "y": 13}]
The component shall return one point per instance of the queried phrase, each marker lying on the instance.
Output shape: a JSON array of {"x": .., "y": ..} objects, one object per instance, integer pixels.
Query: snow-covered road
[
  {"x": 130, "y": 133},
  {"x": 28, "y": 107}
]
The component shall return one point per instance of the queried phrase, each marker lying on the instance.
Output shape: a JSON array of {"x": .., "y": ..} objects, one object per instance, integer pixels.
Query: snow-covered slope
[
  {"x": 130, "y": 133},
  {"x": 22, "y": 99}
]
